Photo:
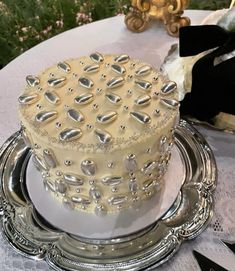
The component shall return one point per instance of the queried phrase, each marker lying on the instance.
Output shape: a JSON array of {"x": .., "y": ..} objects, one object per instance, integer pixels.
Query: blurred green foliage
[
  {"x": 25, "y": 23},
  {"x": 209, "y": 4}
]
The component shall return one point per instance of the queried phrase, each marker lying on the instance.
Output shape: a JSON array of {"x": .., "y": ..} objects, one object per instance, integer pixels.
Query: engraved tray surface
[{"x": 31, "y": 235}]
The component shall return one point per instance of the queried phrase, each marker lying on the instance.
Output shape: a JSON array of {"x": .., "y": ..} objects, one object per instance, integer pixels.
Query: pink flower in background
[
  {"x": 47, "y": 30},
  {"x": 23, "y": 38},
  {"x": 26, "y": 29},
  {"x": 59, "y": 23},
  {"x": 83, "y": 18}
]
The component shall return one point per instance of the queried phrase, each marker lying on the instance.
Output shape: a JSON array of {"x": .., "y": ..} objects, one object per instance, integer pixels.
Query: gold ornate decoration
[
  {"x": 232, "y": 4},
  {"x": 168, "y": 11}
]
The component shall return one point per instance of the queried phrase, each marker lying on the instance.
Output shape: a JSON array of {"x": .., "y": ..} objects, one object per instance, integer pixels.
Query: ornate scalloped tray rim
[{"x": 33, "y": 237}]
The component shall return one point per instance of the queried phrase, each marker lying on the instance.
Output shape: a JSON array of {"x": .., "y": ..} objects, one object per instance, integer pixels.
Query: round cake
[{"x": 101, "y": 129}]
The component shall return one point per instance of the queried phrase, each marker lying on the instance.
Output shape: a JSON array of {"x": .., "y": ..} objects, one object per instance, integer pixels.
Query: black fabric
[
  {"x": 213, "y": 86},
  {"x": 230, "y": 246},
  {"x": 207, "y": 264},
  {"x": 196, "y": 39}
]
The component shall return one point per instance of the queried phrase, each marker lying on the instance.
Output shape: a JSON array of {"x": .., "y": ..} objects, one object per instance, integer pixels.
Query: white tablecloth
[{"x": 111, "y": 36}]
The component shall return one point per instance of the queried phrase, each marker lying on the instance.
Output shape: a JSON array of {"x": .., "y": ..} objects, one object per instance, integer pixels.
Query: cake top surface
[{"x": 98, "y": 102}]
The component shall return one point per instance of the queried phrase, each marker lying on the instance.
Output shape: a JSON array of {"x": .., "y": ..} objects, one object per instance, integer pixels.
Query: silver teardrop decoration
[
  {"x": 61, "y": 187},
  {"x": 148, "y": 185},
  {"x": 91, "y": 68},
  {"x": 70, "y": 134},
  {"x": 57, "y": 82},
  {"x": 100, "y": 210},
  {"x": 75, "y": 115},
  {"x": 46, "y": 116},
  {"x": 118, "y": 69},
  {"x": 39, "y": 164},
  {"x": 170, "y": 103},
  {"x": 130, "y": 163},
  {"x": 84, "y": 98},
  {"x": 97, "y": 57},
  {"x": 72, "y": 179},
  {"x": 32, "y": 81},
  {"x": 164, "y": 144},
  {"x": 112, "y": 180},
  {"x": 52, "y": 97},
  {"x": 149, "y": 167},
  {"x": 65, "y": 67},
  {"x": 103, "y": 136},
  {"x": 28, "y": 98},
  {"x": 81, "y": 200},
  {"x": 88, "y": 167},
  {"x": 85, "y": 82},
  {"x": 141, "y": 117},
  {"x": 115, "y": 82},
  {"x": 118, "y": 200},
  {"x": 143, "y": 100},
  {"x": 143, "y": 84},
  {"x": 113, "y": 98},
  {"x": 94, "y": 193},
  {"x": 168, "y": 88},
  {"x": 122, "y": 59},
  {"x": 49, "y": 185},
  {"x": 107, "y": 117},
  {"x": 49, "y": 158},
  {"x": 144, "y": 70},
  {"x": 133, "y": 186}
]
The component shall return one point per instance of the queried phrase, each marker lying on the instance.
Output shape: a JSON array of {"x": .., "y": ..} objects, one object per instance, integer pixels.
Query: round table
[{"x": 111, "y": 36}]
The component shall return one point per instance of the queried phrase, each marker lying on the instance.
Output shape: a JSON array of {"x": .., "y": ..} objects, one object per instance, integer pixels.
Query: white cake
[{"x": 101, "y": 130}]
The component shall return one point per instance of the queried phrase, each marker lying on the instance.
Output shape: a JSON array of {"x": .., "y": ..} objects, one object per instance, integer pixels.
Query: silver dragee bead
[
  {"x": 70, "y": 134},
  {"x": 57, "y": 82},
  {"x": 32, "y": 81},
  {"x": 75, "y": 115},
  {"x": 86, "y": 82},
  {"x": 107, "y": 117},
  {"x": 122, "y": 59},
  {"x": 142, "y": 71},
  {"x": 46, "y": 116},
  {"x": 88, "y": 167},
  {"x": 28, "y": 98},
  {"x": 52, "y": 97},
  {"x": 141, "y": 117},
  {"x": 145, "y": 85},
  {"x": 168, "y": 88},
  {"x": 113, "y": 98},
  {"x": 97, "y": 57},
  {"x": 143, "y": 100},
  {"x": 72, "y": 179},
  {"x": 91, "y": 68},
  {"x": 112, "y": 180},
  {"x": 103, "y": 136},
  {"x": 64, "y": 66},
  {"x": 84, "y": 98},
  {"x": 170, "y": 103},
  {"x": 115, "y": 82},
  {"x": 118, "y": 69},
  {"x": 49, "y": 158}
]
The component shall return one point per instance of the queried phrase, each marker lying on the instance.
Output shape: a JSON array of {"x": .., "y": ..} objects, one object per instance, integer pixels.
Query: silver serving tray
[{"x": 32, "y": 236}]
